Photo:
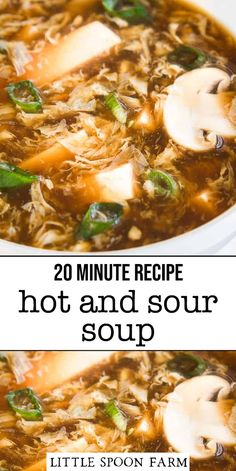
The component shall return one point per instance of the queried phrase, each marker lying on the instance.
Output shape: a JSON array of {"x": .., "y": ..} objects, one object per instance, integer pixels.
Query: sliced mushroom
[
  {"x": 195, "y": 111},
  {"x": 195, "y": 420}
]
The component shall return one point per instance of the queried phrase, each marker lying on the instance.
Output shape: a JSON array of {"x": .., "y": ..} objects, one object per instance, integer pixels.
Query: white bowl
[{"x": 207, "y": 239}]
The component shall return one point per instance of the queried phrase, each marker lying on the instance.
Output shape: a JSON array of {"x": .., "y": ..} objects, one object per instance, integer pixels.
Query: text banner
[{"x": 117, "y": 303}]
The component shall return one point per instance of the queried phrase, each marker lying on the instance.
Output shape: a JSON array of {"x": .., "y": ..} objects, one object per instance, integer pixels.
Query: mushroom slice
[
  {"x": 196, "y": 106},
  {"x": 196, "y": 415}
]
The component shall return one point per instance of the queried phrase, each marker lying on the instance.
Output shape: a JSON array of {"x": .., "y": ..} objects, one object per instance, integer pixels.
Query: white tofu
[
  {"x": 72, "y": 446},
  {"x": 71, "y": 52},
  {"x": 56, "y": 368},
  {"x": 115, "y": 185},
  {"x": 55, "y": 155}
]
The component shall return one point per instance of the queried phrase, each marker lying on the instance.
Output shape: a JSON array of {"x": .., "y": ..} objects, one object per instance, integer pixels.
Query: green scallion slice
[
  {"x": 118, "y": 110},
  {"x": 25, "y": 95},
  {"x": 188, "y": 365},
  {"x": 25, "y": 403},
  {"x": 116, "y": 415},
  {"x": 99, "y": 218},
  {"x": 132, "y": 11},
  {"x": 164, "y": 184},
  {"x": 13, "y": 177},
  {"x": 187, "y": 57}
]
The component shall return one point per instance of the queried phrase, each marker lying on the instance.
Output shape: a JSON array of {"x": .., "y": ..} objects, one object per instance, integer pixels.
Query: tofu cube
[
  {"x": 115, "y": 185},
  {"x": 56, "y": 368},
  {"x": 71, "y": 52}
]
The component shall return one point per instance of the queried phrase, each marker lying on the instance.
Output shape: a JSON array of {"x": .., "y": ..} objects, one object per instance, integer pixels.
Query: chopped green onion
[
  {"x": 116, "y": 415},
  {"x": 118, "y": 110},
  {"x": 99, "y": 218},
  {"x": 188, "y": 57},
  {"x": 25, "y": 95},
  {"x": 164, "y": 184},
  {"x": 135, "y": 12},
  {"x": 188, "y": 365},
  {"x": 25, "y": 403},
  {"x": 14, "y": 177}
]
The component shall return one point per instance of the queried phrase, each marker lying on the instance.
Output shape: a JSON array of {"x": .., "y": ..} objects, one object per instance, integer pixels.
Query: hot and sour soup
[{"x": 117, "y": 125}]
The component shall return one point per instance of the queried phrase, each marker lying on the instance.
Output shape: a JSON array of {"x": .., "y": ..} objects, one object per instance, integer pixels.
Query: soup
[
  {"x": 132, "y": 402},
  {"x": 117, "y": 122}
]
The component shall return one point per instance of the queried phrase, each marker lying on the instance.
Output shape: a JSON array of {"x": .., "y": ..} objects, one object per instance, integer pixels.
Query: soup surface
[
  {"x": 125, "y": 405},
  {"x": 117, "y": 124}
]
